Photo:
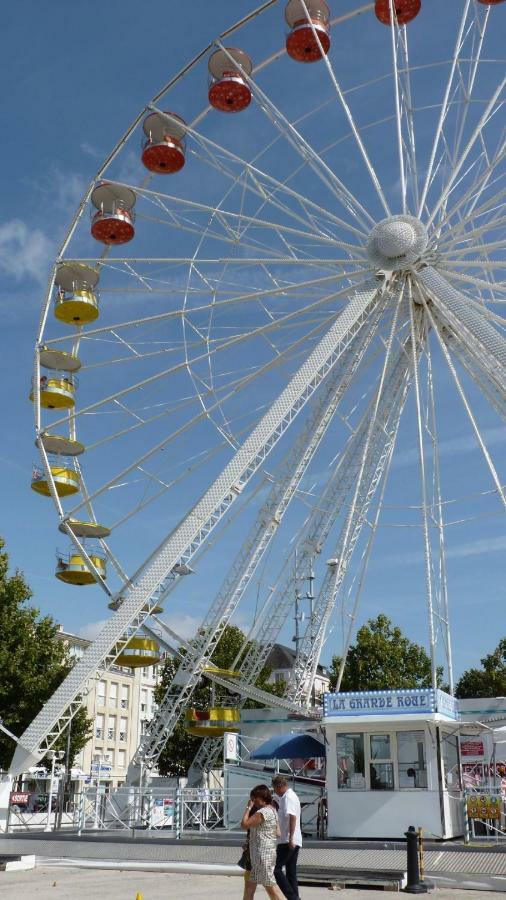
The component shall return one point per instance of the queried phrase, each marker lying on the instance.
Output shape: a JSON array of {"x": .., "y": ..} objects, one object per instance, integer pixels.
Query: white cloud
[
  {"x": 67, "y": 188},
  {"x": 24, "y": 252},
  {"x": 186, "y": 626},
  {"x": 453, "y": 446},
  {"x": 479, "y": 547},
  {"x": 92, "y": 629},
  {"x": 90, "y": 150}
]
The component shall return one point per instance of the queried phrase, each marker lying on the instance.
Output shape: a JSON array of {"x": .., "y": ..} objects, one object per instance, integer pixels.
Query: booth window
[
  {"x": 350, "y": 762},
  {"x": 451, "y": 761},
  {"x": 381, "y": 767},
  {"x": 411, "y": 759}
]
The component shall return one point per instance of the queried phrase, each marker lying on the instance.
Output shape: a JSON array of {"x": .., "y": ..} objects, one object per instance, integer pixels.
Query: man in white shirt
[{"x": 290, "y": 840}]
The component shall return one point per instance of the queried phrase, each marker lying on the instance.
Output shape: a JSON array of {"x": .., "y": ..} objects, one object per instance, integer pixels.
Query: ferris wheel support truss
[
  {"x": 375, "y": 457},
  {"x": 312, "y": 540},
  {"x": 288, "y": 477},
  {"x": 182, "y": 543}
]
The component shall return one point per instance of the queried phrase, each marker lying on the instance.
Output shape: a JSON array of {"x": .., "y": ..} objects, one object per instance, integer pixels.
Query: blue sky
[{"x": 81, "y": 77}]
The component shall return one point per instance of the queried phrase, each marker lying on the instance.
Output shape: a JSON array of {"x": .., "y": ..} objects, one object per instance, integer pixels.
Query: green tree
[
  {"x": 490, "y": 680},
  {"x": 383, "y": 657},
  {"x": 181, "y": 747},
  {"x": 32, "y": 664}
]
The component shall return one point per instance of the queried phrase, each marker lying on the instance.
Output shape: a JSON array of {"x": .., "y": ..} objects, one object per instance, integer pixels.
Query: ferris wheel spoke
[
  {"x": 395, "y": 30},
  {"x": 444, "y": 106},
  {"x": 186, "y": 426},
  {"x": 492, "y": 392},
  {"x": 228, "y": 303},
  {"x": 226, "y": 217},
  {"x": 491, "y": 109},
  {"x": 437, "y": 514},
  {"x": 479, "y": 31},
  {"x": 482, "y": 182},
  {"x": 295, "y": 139},
  {"x": 262, "y": 178},
  {"x": 488, "y": 459},
  {"x": 469, "y": 229},
  {"x": 407, "y": 100},
  {"x": 415, "y": 345},
  {"x": 348, "y": 113},
  {"x": 497, "y": 287}
]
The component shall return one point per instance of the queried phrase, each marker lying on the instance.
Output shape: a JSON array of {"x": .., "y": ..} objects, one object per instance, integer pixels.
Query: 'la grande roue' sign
[{"x": 390, "y": 703}]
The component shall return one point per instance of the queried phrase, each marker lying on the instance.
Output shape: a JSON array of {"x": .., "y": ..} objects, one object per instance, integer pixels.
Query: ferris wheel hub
[{"x": 397, "y": 242}]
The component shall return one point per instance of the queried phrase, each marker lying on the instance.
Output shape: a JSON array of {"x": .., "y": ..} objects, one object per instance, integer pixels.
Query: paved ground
[{"x": 78, "y": 884}]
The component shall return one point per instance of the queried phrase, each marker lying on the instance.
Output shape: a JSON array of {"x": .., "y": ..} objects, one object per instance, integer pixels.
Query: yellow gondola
[
  {"x": 72, "y": 568},
  {"x": 139, "y": 651},
  {"x": 212, "y": 722},
  {"x": 56, "y": 391},
  {"x": 226, "y": 673},
  {"x": 76, "y": 308},
  {"x": 76, "y": 302},
  {"x": 66, "y": 480}
]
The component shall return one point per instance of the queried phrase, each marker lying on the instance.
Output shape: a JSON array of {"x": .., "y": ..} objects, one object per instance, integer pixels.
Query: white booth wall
[{"x": 430, "y": 799}]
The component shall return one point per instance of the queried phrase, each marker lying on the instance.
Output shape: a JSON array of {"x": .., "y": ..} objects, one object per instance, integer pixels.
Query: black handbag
[{"x": 245, "y": 860}]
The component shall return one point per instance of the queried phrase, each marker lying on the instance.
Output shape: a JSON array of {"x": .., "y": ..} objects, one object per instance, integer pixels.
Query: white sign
[
  {"x": 380, "y": 703},
  {"x": 419, "y": 701},
  {"x": 231, "y": 747}
]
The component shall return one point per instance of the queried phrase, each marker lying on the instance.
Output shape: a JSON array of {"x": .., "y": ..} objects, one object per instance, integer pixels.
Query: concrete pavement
[{"x": 47, "y": 883}]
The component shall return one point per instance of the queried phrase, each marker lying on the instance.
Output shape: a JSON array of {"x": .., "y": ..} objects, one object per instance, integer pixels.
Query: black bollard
[{"x": 414, "y": 885}]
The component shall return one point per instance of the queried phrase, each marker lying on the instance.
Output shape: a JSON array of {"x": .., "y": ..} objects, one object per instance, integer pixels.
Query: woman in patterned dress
[{"x": 263, "y": 831}]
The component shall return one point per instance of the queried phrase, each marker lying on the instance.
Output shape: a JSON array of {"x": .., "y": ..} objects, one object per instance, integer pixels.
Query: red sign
[
  {"x": 20, "y": 798},
  {"x": 472, "y": 748}
]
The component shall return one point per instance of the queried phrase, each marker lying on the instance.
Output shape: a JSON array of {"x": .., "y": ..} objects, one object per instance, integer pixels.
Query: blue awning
[{"x": 290, "y": 746}]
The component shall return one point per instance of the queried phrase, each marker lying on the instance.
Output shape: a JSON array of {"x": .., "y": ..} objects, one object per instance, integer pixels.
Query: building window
[
  {"x": 123, "y": 726},
  {"x": 124, "y": 696},
  {"x": 111, "y": 728},
  {"x": 381, "y": 768},
  {"x": 411, "y": 759},
  {"x": 350, "y": 762},
  {"x": 278, "y": 677},
  {"x": 113, "y": 694},
  {"x": 99, "y": 726},
  {"x": 101, "y": 693},
  {"x": 121, "y": 759},
  {"x": 109, "y": 756},
  {"x": 144, "y": 701},
  {"x": 145, "y": 673}
]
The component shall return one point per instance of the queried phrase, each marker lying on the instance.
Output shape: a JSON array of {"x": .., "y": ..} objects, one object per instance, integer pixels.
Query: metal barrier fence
[{"x": 176, "y": 811}]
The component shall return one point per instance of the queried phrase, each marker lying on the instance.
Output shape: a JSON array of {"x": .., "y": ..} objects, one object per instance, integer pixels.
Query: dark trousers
[{"x": 286, "y": 858}]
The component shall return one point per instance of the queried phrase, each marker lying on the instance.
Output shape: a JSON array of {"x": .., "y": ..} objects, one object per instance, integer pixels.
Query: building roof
[{"x": 282, "y": 657}]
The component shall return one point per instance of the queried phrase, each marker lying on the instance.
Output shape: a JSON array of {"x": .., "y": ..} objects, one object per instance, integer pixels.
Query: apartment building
[
  {"x": 120, "y": 705},
  {"x": 281, "y": 661}
]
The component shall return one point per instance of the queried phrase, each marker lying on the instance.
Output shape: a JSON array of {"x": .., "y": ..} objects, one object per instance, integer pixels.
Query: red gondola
[
  {"x": 113, "y": 223},
  {"x": 164, "y": 149},
  {"x": 405, "y": 10},
  {"x": 309, "y": 37},
  {"x": 229, "y": 90}
]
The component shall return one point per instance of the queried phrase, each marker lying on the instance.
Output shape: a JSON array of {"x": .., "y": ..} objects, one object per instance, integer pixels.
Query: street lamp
[{"x": 53, "y": 756}]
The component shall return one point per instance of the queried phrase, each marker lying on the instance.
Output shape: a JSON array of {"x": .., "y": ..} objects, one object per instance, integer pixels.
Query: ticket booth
[{"x": 392, "y": 761}]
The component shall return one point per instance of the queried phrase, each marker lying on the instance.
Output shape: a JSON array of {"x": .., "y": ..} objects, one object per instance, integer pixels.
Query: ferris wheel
[{"x": 295, "y": 250}]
